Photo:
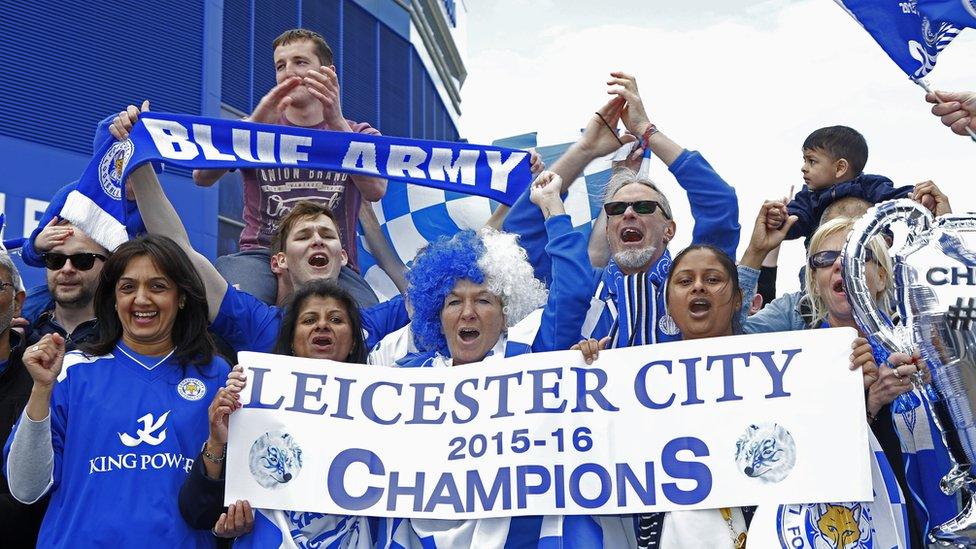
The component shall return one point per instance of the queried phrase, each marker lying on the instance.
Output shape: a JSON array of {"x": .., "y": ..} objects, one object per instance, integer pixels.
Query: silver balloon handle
[{"x": 895, "y": 339}]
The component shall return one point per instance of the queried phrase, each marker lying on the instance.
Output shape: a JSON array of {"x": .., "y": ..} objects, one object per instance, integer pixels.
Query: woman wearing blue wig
[{"x": 475, "y": 298}]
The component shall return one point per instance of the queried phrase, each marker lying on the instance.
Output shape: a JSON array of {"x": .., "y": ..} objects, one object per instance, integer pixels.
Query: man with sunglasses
[
  {"x": 73, "y": 268},
  {"x": 628, "y": 304}
]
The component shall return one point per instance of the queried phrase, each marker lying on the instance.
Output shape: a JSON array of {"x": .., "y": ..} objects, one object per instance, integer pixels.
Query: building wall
[{"x": 206, "y": 57}]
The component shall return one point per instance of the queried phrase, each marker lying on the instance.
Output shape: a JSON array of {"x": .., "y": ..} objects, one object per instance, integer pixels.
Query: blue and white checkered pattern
[{"x": 410, "y": 216}]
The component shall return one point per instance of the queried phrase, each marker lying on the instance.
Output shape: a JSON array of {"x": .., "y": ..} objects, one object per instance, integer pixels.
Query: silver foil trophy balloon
[{"x": 935, "y": 295}]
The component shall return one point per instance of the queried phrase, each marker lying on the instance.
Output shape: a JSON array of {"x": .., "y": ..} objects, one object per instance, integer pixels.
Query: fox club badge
[
  {"x": 112, "y": 166},
  {"x": 667, "y": 325},
  {"x": 825, "y": 526},
  {"x": 191, "y": 389}
]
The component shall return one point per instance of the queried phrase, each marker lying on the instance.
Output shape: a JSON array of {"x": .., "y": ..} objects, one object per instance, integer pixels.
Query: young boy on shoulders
[{"x": 833, "y": 164}]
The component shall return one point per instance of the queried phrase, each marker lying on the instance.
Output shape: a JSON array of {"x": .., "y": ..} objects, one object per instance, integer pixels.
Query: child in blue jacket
[{"x": 833, "y": 164}]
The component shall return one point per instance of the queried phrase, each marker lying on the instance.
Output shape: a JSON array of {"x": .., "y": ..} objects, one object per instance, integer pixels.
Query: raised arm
[
  {"x": 161, "y": 218},
  {"x": 386, "y": 258},
  {"x": 635, "y": 118},
  {"x": 570, "y": 289}
]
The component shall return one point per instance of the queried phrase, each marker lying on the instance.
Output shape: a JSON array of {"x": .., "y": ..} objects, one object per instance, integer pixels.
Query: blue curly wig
[{"x": 433, "y": 275}]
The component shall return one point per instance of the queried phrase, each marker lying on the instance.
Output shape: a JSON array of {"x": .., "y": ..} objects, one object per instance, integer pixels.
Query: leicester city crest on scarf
[
  {"x": 112, "y": 166},
  {"x": 826, "y": 526}
]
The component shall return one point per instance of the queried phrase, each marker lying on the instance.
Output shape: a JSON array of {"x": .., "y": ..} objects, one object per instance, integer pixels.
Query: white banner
[{"x": 726, "y": 422}]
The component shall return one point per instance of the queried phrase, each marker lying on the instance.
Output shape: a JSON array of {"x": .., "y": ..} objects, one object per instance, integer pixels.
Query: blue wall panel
[
  {"x": 271, "y": 18},
  {"x": 236, "y": 56},
  {"x": 108, "y": 64},
  {"x": 417, "y": 77},
  {"x": 394, "y": 83},
  {"x": 359, "y": 83},
  {"x": 324, "y": 17}
]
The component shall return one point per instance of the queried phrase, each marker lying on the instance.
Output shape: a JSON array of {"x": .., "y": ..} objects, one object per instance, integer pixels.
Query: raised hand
[
  {"x": 323, "y": 84},
  {"x": 269, "y": 109},
  {"x": 956, "y": 109},
  {"x": 600, "y": 135},
  {"x": 544, "y": 193},
  {"x": 634, "y": 116},
  {"x": 536, "y": 165},
  {"x": 44, "y": 360},
  {"x": 52, "y": 235},
  {"x": 764, "y": 239},
  {"x": 122, "y": 124},
  {"x": 894, "y": 380},
  {"x": 225, "y": 402},
  {"x": 591, "y": 348},
  {"x": 863, "y": 357},
  {"x": 236, "y": 521},
  {"x": 927, "y": 194}
]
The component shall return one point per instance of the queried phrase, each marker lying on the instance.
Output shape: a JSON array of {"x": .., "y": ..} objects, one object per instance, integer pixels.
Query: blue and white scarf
[
  {"x": 631, "y": 309},
  {"x": 925, "y": 456},
  {"x": 97, "y": 206}
]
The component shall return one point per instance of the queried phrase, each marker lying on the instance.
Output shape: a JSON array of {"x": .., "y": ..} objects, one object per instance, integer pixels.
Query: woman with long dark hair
[
  {"x": 320, "y": 321},
  {"x": 111, "y": 432}
]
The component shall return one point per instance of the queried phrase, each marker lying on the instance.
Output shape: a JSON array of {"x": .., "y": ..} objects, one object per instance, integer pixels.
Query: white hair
[{"x": 509, "y": 275}]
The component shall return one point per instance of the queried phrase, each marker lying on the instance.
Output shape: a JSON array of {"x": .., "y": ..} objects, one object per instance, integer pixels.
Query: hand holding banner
[{"x": 712, "y": 423}]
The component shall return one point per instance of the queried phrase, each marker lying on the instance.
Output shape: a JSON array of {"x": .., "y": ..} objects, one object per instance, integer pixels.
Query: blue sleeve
[
  {"x": 59, "y": 425},
  {"x": 133, "y": 219},
  {"x": 384, "y": 319},
  {"x": 570, "y": 290},
  {"x": 28, "y": 253},
  {"x": 881, "y": 190},
  {"x": 802, "y": 207},
  {"x": 748, "y": 284},
  {"x": 526, "y": 220},
  {"x": 201, "y": 499},
  {"x": 246, "y": 323},
  {"x": 714, "y": 205},
  {"x": 779, "y": 315},
  {"x": 38, "y": 300}
]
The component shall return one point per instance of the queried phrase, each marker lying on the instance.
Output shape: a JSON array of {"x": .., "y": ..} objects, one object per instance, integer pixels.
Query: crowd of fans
[{"x": 94, "y": 357}]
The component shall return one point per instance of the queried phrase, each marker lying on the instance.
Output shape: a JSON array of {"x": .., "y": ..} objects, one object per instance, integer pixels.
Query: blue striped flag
[
  {"x": 911, "y": 39},
  {"x": 960, "y": 13}
]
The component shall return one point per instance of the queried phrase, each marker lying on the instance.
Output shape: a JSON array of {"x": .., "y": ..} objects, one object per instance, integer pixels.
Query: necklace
[
  {"x": 738, "y": 540},
  {"x": 141, "y": 363}
]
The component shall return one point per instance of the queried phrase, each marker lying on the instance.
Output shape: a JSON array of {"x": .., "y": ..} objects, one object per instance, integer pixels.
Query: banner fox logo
[
  {"x": 147, "y": 432},
  {"x": 765, "y": 451},
  {"x": 275, "y": 459}
]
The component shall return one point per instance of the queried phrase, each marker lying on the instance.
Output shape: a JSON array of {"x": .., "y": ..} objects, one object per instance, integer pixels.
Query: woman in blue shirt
[{"x": 137, "y": 401}]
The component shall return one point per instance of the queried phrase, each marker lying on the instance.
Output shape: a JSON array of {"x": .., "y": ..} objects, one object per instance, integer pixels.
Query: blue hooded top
[{"x": 809, "y": 205}]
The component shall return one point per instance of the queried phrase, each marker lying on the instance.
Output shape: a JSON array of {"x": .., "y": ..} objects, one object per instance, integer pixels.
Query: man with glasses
[
  {"x": 628, "y": 305},
  {"x": 73, "y": 268},
  {"x": 19, "y": 523}
]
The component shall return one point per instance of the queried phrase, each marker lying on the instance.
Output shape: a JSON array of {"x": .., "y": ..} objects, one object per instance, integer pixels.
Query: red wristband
[{"x": 651, "y": 130}]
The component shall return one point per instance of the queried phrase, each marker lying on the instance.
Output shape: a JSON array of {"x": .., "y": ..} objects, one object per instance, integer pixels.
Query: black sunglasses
[
  {"x": 81, "y": 261},
  {"x": 640, "y": 206},
  {"x": 826, "y": 258}
]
